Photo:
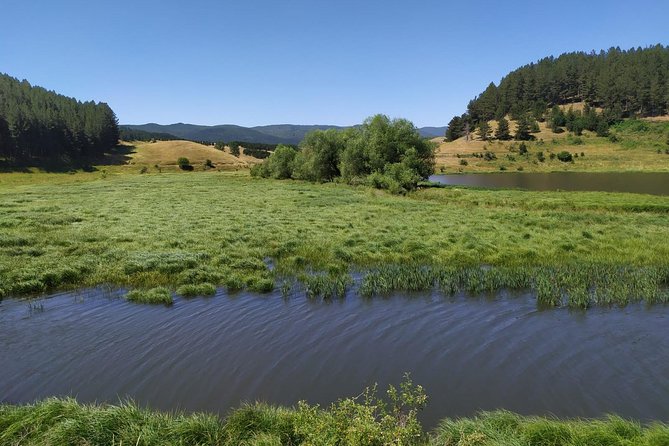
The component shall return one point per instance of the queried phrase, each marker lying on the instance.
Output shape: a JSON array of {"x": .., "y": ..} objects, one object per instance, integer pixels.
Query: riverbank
[
  {"x": 226, "y": 229},
  {"x": 352, "y": 422}
]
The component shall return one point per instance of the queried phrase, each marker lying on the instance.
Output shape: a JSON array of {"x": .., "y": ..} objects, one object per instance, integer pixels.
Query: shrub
[
  {"x": 522, "y": 149},
  {"x": 463, "y": 162},
  {"x": 489, "y": 156},
  {"x": 208, "y": 164},
  {"x": 143, "y": 170},
  {"x": 564, "y": 156},
  {"x": 541, "y": 157},
  {"x": 184, "y": 164}
]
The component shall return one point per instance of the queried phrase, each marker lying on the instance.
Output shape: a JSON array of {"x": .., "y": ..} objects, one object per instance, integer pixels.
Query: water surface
[
  {"x": 635, "y": 182},
  {"x": 213, "y": 353}
]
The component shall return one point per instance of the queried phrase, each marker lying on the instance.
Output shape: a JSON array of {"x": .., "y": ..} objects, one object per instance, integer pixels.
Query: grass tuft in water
[
  {"x": 202, "y": 289},
  {"x": 157, "y": 295}
]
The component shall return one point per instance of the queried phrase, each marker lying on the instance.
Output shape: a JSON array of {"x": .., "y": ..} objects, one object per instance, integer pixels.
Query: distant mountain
[
  {"x": 267, "y": 134},
  {"x": 431, "y": 132}
]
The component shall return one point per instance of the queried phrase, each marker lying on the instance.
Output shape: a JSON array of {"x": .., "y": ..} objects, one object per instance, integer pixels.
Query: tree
[
  {"x": 523, "y": 129},
  {"x": 280, "y": 164},
  {"x": 455, "y": 128},
  {"x": 484, "y": 130},
  {"x": 502, "y": 132},
  {"x": 320, "y": 155}
]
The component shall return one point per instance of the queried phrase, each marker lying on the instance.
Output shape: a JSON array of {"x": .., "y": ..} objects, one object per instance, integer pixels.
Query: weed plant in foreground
[{"x": 191, "y": 232}]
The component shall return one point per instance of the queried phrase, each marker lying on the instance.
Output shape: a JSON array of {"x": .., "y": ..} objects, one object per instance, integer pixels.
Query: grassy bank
[
  {"x": 226, "y": 229},
  {"x": 632, "y": 146},
  {"x": 348, "y": 422}
]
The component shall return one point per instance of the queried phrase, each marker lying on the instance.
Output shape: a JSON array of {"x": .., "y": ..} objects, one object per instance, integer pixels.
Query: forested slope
[
  {"x": 622, "y": 83},
  {"x": 39, "y": 124}
]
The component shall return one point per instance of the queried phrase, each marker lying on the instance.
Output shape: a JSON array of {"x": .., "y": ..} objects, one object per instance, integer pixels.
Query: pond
[
  {"x": 655, "y": 183},
  {"x": 211, "y": 354}
]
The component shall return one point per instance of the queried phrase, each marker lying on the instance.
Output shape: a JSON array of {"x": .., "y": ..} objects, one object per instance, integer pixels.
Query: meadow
[{"x": 192, "y": 231}]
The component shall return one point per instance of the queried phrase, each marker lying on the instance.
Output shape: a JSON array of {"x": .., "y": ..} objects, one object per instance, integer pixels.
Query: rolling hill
[{"x": 268, "y": 134}]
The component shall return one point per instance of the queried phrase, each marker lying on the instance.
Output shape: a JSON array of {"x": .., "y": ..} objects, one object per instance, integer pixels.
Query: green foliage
[
  {"x": 502, "y": 132},
  {"x": 201, "y": 289},
  {"x": 564, "y": 156},
  {"x": 184, "y": 163},
  {"x": 128, "y": 134},
  {"x": 36, "y": 124},
  {"x": 484, "y": 130},
  {"x": 388, "y": 154},
  {"x": 624, "y": 83},
  {"x": 319, "y": 158},
  {"x": 455, "y": 128},
  {"x": 280, "y": 164},
  {"x": 507, "y": 428},
  {"x": 158, "y": 295}
]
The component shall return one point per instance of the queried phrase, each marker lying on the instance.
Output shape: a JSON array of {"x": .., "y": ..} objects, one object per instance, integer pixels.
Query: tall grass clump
[
  {"x": 506, "y": 428},
  {"x": 326, "y": 286},
  {"x": 191, "y": 290},
  {"x": 157, "y": 295}
]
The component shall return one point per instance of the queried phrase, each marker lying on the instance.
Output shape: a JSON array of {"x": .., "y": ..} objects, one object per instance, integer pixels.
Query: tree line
[
  {"x": 384, "y": 153},
  {"x": 37, "y": 123},
  {"x": 623, "y": 83},
  {"x": 130, "y": 134}
]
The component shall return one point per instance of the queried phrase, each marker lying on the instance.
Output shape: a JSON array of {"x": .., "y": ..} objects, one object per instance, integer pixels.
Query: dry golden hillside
[{"x": 166, "y": 154}]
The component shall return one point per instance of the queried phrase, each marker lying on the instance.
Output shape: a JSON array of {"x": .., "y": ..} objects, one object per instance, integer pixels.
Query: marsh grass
[
  {"x": 202, "y": 289},
  {"x": 157, "y": 295},
  {"x": 226, "y": 229},
  {"x": 507, "y": 428},
  {"x": 364, "y": 421}
]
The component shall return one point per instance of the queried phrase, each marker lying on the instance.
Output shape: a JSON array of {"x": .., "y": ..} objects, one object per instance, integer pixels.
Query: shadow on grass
[{"x": 118, "y": 155}]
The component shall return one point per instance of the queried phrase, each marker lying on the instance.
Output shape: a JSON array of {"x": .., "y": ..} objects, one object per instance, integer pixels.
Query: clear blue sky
[{"x": 304, "y": 62}]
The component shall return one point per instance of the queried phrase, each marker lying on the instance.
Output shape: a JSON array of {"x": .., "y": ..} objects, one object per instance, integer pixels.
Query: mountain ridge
[{"x": 267, "y": 134}]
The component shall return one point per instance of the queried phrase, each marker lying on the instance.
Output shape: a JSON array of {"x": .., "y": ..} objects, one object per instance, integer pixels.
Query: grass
[
  {"x": 226, "y": 229},
  {"x": 200, "y": 289},
  {"x": 157, "y": 295},
  {"x": 350, "y": 421},
  {"x": 507, "y": 428},
  {"x": 166, "y": 153},
  {"x": 636, "y": 147}
]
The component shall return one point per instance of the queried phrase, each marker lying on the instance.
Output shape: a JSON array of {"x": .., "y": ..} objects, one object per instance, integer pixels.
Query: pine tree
[
  {"x": 484, "y": 130},
  {"x": 502, "y": 133},
  {"x": 523, "y": 129}
]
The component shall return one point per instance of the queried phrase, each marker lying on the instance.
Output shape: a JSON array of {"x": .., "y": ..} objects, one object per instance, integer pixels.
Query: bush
[
  {"x": 541, "y": 157},
  {"x": 184, "y": 164},
  {"x": 463, "y": 162},
  {"x": 489, "y": 156},
  {"x": 208, "y": 164},
  {"x": 564, "y": 156},
  {"x": 522, "y": 149}
]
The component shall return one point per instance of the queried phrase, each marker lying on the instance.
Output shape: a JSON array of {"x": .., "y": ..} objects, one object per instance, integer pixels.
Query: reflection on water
[
  {"x": 636, "y": 182},
  {"x": 212, "y": 354}
]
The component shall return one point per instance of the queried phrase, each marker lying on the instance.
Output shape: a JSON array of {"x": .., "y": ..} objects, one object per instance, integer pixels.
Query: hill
[
  {"x": 267, "y": 134},
  {"x": 624, "y": 84},
  {"x": 166, "y": 153},
  {"x": 631, "y": 145}
]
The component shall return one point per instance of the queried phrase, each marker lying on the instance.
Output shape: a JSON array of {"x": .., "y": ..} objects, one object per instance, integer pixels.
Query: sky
[{"x": 264, "y": 62}]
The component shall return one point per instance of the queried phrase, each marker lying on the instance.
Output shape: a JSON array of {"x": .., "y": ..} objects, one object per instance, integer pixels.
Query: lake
[
  {"x": 211, "y": 354},
  {"x": 635, "y": 182}
]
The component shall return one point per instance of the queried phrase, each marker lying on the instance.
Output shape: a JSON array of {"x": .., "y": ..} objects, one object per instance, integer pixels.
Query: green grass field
[{"x": 224, "y": 229}]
